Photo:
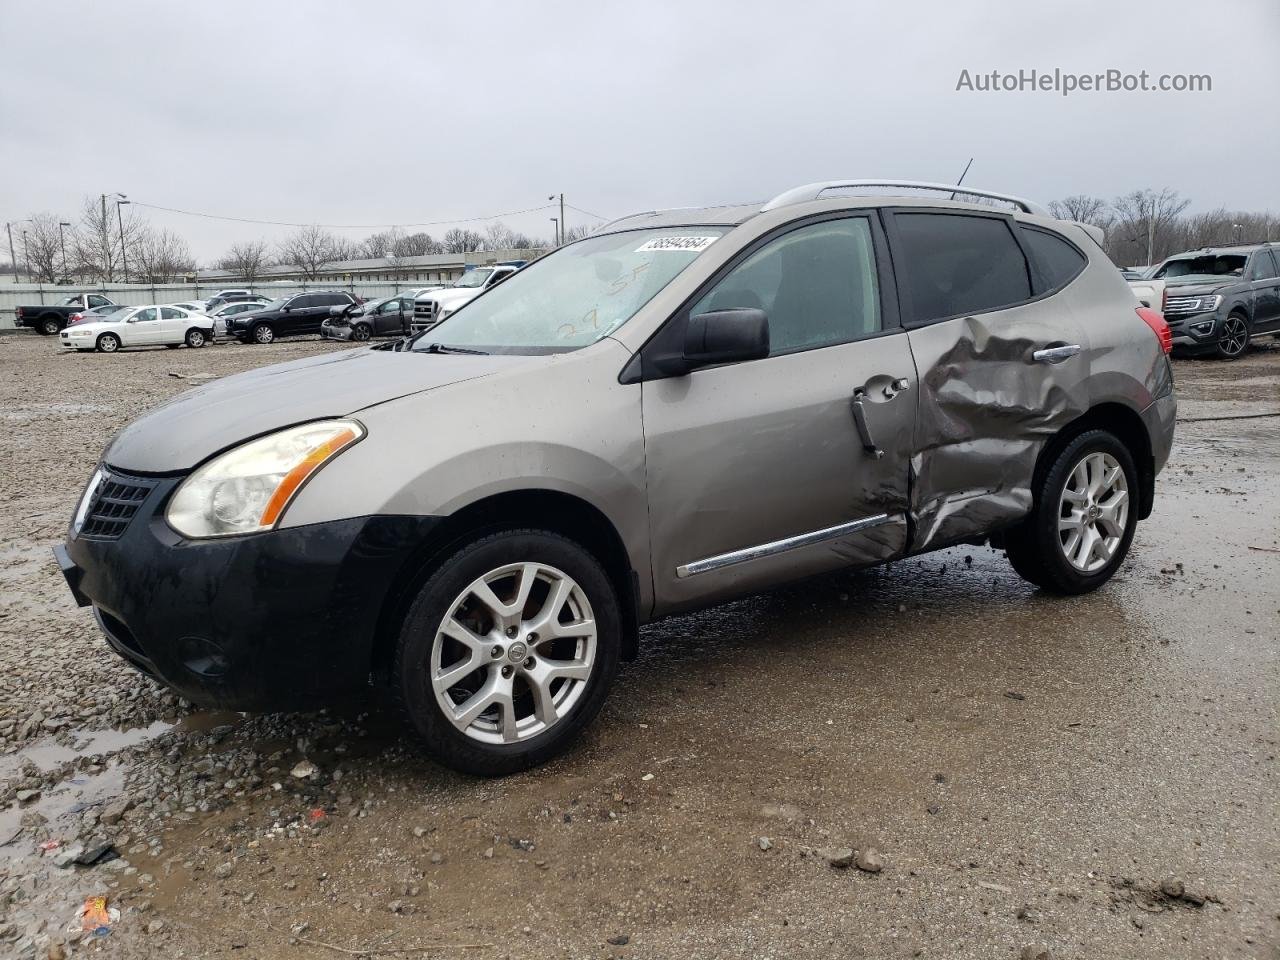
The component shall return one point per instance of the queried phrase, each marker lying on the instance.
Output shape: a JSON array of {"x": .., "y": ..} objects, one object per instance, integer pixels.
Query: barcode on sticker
[{"x": 690, "y": 244}]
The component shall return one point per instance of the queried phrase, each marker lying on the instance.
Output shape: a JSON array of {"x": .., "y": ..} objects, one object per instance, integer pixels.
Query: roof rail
[{"x": 812, "y": 191}]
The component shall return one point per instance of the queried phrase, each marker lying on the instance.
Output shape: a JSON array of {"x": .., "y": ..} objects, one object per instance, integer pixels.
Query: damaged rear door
[{"x": 1001, "y": 361}]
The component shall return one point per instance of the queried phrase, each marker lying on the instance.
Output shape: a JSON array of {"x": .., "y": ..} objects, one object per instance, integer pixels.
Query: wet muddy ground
[{"x": 1095, "y": 777}]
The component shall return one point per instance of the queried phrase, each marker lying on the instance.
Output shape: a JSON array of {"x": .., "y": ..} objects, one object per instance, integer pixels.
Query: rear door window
[
  {"x": 958, "y": 264},
  {"x": 171, "y": 313},
  {"x": 1059, "y": 261}
]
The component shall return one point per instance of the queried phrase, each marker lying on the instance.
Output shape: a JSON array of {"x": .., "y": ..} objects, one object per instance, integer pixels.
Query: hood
[
  {"x": 1197, "y": 286},
  {"x": 450, "y": 296},
  {"x": 189, "y": 429}
]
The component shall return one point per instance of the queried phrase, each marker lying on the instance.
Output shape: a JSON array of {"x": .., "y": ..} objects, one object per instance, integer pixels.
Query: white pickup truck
[{"x": 430, "y": 309}]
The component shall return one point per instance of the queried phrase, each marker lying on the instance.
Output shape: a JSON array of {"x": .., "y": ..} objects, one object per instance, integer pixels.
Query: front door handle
[
  {"x": 860, "y": 418},
  {"x": 1056, "y": 354}
]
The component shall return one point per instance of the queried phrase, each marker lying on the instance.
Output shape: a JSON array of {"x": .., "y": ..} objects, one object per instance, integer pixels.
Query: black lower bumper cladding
[{"x": 272, "y": 621}]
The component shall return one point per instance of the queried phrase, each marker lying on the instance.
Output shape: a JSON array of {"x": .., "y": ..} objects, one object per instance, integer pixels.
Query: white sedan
[{"x": 151, "y": 326}]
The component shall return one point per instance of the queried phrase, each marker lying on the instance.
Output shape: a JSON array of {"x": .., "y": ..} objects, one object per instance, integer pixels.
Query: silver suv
[{"x": 685, "y": 407}]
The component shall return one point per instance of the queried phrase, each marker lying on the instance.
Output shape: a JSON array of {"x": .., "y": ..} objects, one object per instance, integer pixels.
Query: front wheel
[
  {"x": 508, "y": 651},
  {"x": 108, "y": 343},
  {"x": 264, "y": 333},
  {"x": 361, "y": 332},
  {"x": 1234, "y": 339},
  {"x": 1083, "y": 519}
]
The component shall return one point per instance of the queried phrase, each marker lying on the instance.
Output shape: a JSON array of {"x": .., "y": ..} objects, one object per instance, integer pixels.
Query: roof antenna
[{"x": 962, "y": 176}]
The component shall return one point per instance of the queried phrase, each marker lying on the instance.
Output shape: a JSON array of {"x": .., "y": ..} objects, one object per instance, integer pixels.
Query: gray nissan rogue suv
[{"x": 684, "y": 407}]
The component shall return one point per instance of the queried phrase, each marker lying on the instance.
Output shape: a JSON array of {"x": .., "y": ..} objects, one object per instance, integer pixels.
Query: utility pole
[
  {"x": 62, "y": 240},
  {"x": 124, "y": 256},
  {"x": 13, "y": 257},
  {"x": 560, "y": 228}
]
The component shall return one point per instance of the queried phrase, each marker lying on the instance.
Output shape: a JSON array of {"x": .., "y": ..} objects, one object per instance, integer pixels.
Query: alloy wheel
[
  {"x": 1093, "y": 512},
  {"x": 514, "y": 654},
  {"x": 1235, "y": 335},
  {"x": 263, "y": 333}
]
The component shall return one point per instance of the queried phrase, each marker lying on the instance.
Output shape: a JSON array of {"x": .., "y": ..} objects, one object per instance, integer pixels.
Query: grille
[
  {"x": 424, "y": 309},
  {"x": 113, "y": 505}
]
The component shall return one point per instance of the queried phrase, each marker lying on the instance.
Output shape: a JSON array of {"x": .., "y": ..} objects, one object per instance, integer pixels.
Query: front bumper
[
  {"x": 333, "y": 332},
  {"x": 281, "y": 620},
  {"x": 1194, "y": 332}
]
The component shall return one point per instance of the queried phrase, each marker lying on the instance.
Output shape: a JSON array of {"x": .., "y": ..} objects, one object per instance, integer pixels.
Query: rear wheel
[
  {"x": 1234, "y": 339},
  {"x": 195, "y": 337},
  {"x": 1083, "y": 519},
  {"x": 508, "y": 651},
  {"x": 49, "y": 326},
  {"x": 108, "y": 343},
  {"x": 361, "y": 332},
  {"x": 264, "y": 334}
]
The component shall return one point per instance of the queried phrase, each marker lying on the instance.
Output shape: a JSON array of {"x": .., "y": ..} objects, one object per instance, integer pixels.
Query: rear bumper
[
  {"x": 1160, "y": 419},
  {"x": 274, "y": 621}
]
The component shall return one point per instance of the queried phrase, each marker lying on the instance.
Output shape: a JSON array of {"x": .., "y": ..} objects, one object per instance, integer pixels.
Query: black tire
[
  {"x": 410, "y": 679},
  {"x": 49, "y": 326},
  {"x": 262, "y": 333},
  {"x": 361, "y": 332},
  {"x": 1235, "y": 337},
  {"x": 108, "y": 343},
  {"x": 1035, "y": 547},
  {"x": 195, "y": 338}
]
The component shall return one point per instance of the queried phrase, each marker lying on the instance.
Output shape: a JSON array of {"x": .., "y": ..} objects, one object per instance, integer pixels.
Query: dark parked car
[
  {"x": 234, "y": 296},
  {"x": 388, "y": 317},
  {"x": 49, "y": 319},
  {"x": 301, "y": 313},
  {"x": 1219, "y": 298}
]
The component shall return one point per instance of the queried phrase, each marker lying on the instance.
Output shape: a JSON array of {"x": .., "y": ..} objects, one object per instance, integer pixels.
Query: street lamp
[
  {"x": 555, "y": 231},
  {"x": 1239, "y": 229},
  {"x": 124, "y": 256},
  {"x": 561, "y": 220},
  {"x": 62, "y": 240}
]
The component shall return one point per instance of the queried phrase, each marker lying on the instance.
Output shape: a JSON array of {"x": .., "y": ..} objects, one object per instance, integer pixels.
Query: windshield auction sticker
[{"x": 685, "y": 244}]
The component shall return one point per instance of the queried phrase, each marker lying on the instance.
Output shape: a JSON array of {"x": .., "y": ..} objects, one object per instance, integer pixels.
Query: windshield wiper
[{"x": 445, "y": 348}]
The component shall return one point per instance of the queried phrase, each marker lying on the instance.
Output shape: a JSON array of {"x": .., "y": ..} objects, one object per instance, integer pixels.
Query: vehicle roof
[
  {"x": 1235, "y": 248},
  {"x": 733, "y": 215}
]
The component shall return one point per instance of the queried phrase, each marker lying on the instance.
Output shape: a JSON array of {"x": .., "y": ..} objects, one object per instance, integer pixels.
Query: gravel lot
[{"x": 1012, "y": 772}]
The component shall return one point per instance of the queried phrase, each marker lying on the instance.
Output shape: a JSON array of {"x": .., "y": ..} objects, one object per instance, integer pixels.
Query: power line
[
  {"x": 347, "y": 226},
  {"x": 587, "y": 212}
]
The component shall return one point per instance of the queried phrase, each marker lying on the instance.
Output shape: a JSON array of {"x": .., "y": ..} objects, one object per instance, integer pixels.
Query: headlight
[
  {"x": 1210, "y": 302},
  {"x": 247, "y": 489}
]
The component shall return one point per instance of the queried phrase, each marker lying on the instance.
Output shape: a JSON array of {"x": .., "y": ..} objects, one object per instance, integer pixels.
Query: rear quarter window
[
  {"x": 957, "y": 264},
  {"x": 1059, "y": 262}
]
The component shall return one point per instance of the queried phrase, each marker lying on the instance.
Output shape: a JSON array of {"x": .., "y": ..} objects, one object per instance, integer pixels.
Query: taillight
[
  {"x": 1158, "y": 326},
  {"x": 19, "y": 312}
]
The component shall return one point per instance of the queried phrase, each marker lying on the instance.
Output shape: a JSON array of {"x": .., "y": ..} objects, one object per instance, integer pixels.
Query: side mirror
[{"x": 726, "y": 336}]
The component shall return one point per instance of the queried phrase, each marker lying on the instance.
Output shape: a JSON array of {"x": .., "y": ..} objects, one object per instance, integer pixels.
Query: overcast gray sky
[{"x": 398, "y": 112}]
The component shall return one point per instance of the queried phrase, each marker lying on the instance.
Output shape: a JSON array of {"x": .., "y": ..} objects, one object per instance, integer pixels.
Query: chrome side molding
[{"x": 778, "y": 546}]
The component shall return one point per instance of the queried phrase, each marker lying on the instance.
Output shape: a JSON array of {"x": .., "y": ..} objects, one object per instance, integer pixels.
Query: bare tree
[
  {"x": 418, "y": 245},
  {"x": 498, "y": 236},
  {"x": 310, "y": 249},
  {"x": 1143, "y": 228},
  {"x": 577, "y": 233},
  {"x": 41, "y": 248},
  {"x": 246, "y": 260},
  {"x": 458, "y": 240},
  {"x": 1083, "y": 209},
  {"x": 161, "y": 256},
  {"x": 98, "y": 248}
]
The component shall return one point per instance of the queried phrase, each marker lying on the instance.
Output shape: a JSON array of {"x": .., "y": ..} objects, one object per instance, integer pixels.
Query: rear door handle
[{"x": 1056, "y": 354}]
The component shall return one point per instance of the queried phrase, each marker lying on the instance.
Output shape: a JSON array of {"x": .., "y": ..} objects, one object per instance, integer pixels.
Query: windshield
[
  {"x": 473, "y": 278},
  {"x": 1210, "y": 265},
  {"x": 575, "y": 296}
]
